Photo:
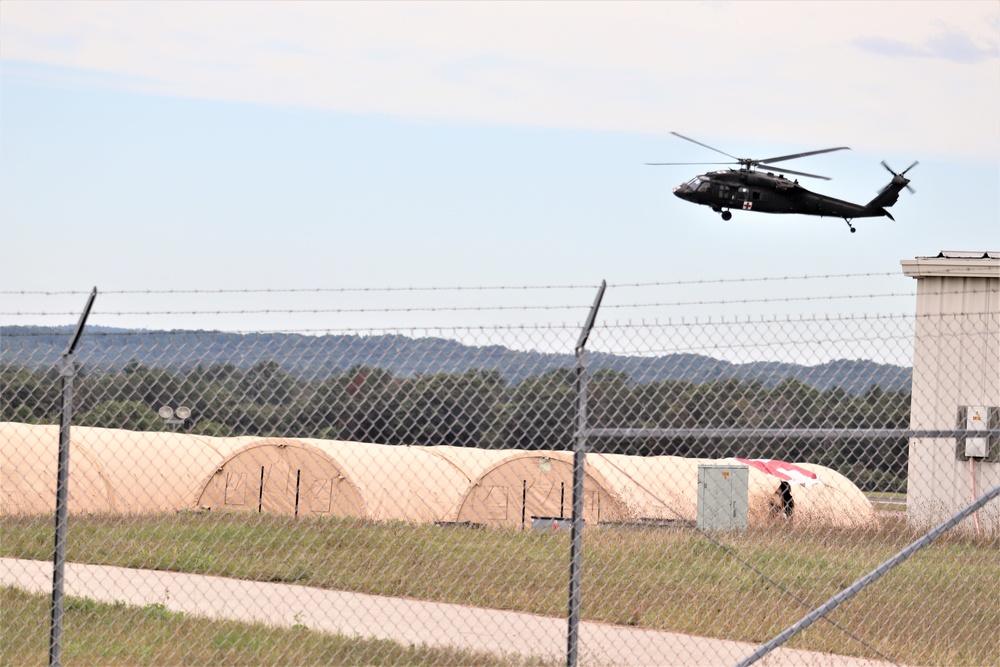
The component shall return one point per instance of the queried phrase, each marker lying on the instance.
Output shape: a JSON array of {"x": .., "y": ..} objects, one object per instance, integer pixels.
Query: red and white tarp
[{"x": 783, "y": 470}]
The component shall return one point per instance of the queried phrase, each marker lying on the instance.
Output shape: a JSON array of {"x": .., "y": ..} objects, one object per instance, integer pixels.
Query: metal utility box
[
  {"x": 722, "y": 497},
  {"x": 978, "y": 418}
]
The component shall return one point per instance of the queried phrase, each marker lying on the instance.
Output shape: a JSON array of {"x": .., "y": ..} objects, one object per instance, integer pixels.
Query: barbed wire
[
  {"x": 682, "y": 321},
  {"x": 608, "y": 327},
  {"x": 459, "y": 309},
  {"x": 309, "y": 290},
  {"x": 454, "y": 288},
  {"x": 737, "y": 318},
  {"x": 712, "y": 281}
]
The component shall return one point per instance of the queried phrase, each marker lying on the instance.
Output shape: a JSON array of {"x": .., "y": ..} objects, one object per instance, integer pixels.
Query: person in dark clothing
[{"x": 782, "y": 502}]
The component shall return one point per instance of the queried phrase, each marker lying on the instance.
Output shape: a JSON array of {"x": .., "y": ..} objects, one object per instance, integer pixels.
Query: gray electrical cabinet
[
  {"x": 722, "y": 497},
  {"x": 978, "y": 418}
]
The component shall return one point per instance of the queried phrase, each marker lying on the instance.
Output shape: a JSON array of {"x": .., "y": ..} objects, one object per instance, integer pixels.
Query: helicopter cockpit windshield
[
  {"x": 691, "y": 186},
  {"x": 696, "y": 184}
]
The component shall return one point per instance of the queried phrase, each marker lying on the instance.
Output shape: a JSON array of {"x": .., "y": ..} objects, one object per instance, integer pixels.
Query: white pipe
[{"x": 972, "y": 491}]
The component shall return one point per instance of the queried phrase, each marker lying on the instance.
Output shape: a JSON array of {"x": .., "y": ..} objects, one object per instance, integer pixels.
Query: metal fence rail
[{"x": 421, "y": 485}]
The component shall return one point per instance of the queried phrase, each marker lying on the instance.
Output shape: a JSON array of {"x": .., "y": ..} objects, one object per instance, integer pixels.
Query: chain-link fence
[{"x": 405, "y": 495}]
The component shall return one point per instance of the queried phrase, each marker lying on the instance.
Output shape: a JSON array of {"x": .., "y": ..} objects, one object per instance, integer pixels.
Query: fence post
[
  {"x": 579, "y": 452},
  {"x": 67, "y": 372}
]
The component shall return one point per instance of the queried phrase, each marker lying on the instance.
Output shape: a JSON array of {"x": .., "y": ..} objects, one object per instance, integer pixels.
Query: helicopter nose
[{"x": 682, "y": 191}]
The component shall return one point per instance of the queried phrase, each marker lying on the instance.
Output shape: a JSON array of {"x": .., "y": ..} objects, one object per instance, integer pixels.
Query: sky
[{"x": 236, "y": 157}]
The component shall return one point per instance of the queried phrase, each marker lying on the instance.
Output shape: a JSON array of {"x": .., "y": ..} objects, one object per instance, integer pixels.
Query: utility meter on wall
[{"x": 978, "y": 418}]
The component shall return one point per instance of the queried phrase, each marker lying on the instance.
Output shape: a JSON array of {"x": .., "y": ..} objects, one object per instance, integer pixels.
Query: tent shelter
[
  {"x": 127, "y": 472},
  {"x": 807, "y": 493},
  {"x": 526, "y": 484},
  {"x": 651, "y": 488},
  {"x": 324, "y": 477},
  {"x": 283, "y": 476},
  {"x": 665, "y": 488},
  {"x": 28, "y": 465},
  {"x": 834, "y": 501},
  {"x": 111, "y": 470},
  {"x": 471, "y": 462}
]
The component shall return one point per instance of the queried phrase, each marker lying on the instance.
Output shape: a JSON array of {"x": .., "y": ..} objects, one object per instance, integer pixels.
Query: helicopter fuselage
[
  {"x": 768, "y": 193},
  {"x": 751, "y": 190}
]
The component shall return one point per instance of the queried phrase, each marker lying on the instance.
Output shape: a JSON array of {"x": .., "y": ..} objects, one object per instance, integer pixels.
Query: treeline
[{"x": 477, "y": 409}]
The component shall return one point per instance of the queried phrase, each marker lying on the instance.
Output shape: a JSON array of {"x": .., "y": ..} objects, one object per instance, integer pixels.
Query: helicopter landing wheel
[
  {"x": 850, "y": 225},
  {"x": 727, "y": 215}
]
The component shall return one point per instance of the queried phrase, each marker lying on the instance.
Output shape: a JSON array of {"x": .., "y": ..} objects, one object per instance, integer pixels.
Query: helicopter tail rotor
[
  {"x": 889, "y": 195},
  {"x": 900, "y": 175}
]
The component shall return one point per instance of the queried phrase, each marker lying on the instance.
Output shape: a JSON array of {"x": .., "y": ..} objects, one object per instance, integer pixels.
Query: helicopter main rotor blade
[
  {"x": 660, "y": 164},
  {"x": 797, "y": 173},
  {"x": 748, "y": 164},
  {"x": 677, "y": 134},
  {"x": 798, "y": 155}
]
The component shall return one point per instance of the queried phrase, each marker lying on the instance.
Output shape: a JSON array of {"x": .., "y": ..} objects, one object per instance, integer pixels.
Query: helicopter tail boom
[{"x": 886, "y": 198}]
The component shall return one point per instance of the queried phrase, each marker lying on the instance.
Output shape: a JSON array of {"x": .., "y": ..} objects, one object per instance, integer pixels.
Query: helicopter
[{"x": 748, "y": 189}]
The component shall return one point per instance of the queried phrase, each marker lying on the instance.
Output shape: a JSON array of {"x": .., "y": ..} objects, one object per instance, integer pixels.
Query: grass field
[
  {"x": 887, "y": 502},
  {"x": 114, "y": 634},
  {"x": 744, "y": 586}
]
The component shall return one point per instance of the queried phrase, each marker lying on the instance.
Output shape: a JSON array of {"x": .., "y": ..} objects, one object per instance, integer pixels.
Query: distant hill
[{"x": 323, "y": 356}]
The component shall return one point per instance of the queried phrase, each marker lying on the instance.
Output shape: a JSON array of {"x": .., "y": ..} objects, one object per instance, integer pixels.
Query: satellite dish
[
  {"x": 183, "y": 412},
  {"x": 166, "y": 412}
]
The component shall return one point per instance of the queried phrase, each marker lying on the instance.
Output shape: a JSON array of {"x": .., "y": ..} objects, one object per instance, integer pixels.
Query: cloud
[
  {"x": 952, "y": 46},
  {"x": 788, "y": 71}
]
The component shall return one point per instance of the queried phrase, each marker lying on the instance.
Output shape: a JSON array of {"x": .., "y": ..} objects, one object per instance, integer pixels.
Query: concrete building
[{"x": 956, "y": 384}]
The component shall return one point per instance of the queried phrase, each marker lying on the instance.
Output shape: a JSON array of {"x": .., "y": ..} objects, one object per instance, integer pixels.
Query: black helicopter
[{"x": 750, "y": 190}]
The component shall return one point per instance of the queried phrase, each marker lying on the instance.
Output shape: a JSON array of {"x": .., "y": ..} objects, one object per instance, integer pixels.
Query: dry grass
[{"x": 745, "y": 586}]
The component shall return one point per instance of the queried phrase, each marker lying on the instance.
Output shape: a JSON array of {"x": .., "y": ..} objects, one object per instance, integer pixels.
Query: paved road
[{"x": 403, "y": 620}]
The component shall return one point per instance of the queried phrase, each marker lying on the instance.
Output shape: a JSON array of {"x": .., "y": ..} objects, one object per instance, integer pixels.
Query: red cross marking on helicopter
[{"x": 747, "y": 205}]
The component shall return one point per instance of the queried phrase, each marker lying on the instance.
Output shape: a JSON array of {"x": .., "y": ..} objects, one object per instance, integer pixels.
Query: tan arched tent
[
  {"x": 666, "y": 488},
  {"x": 283, "y": 476},
  {"x": 526, "y": 484},
  {"x": 835, "y": 501},
  {"x": 471, "y": 462},
  {"x": 339, "y": 478},
  {"x": 111, "y": 470},
  {"x": 29, "y": 458},
  {"x": 651, "y": 488},
  {"x": 124, "y": 472},
  {"x": 830, "y": 499}
]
